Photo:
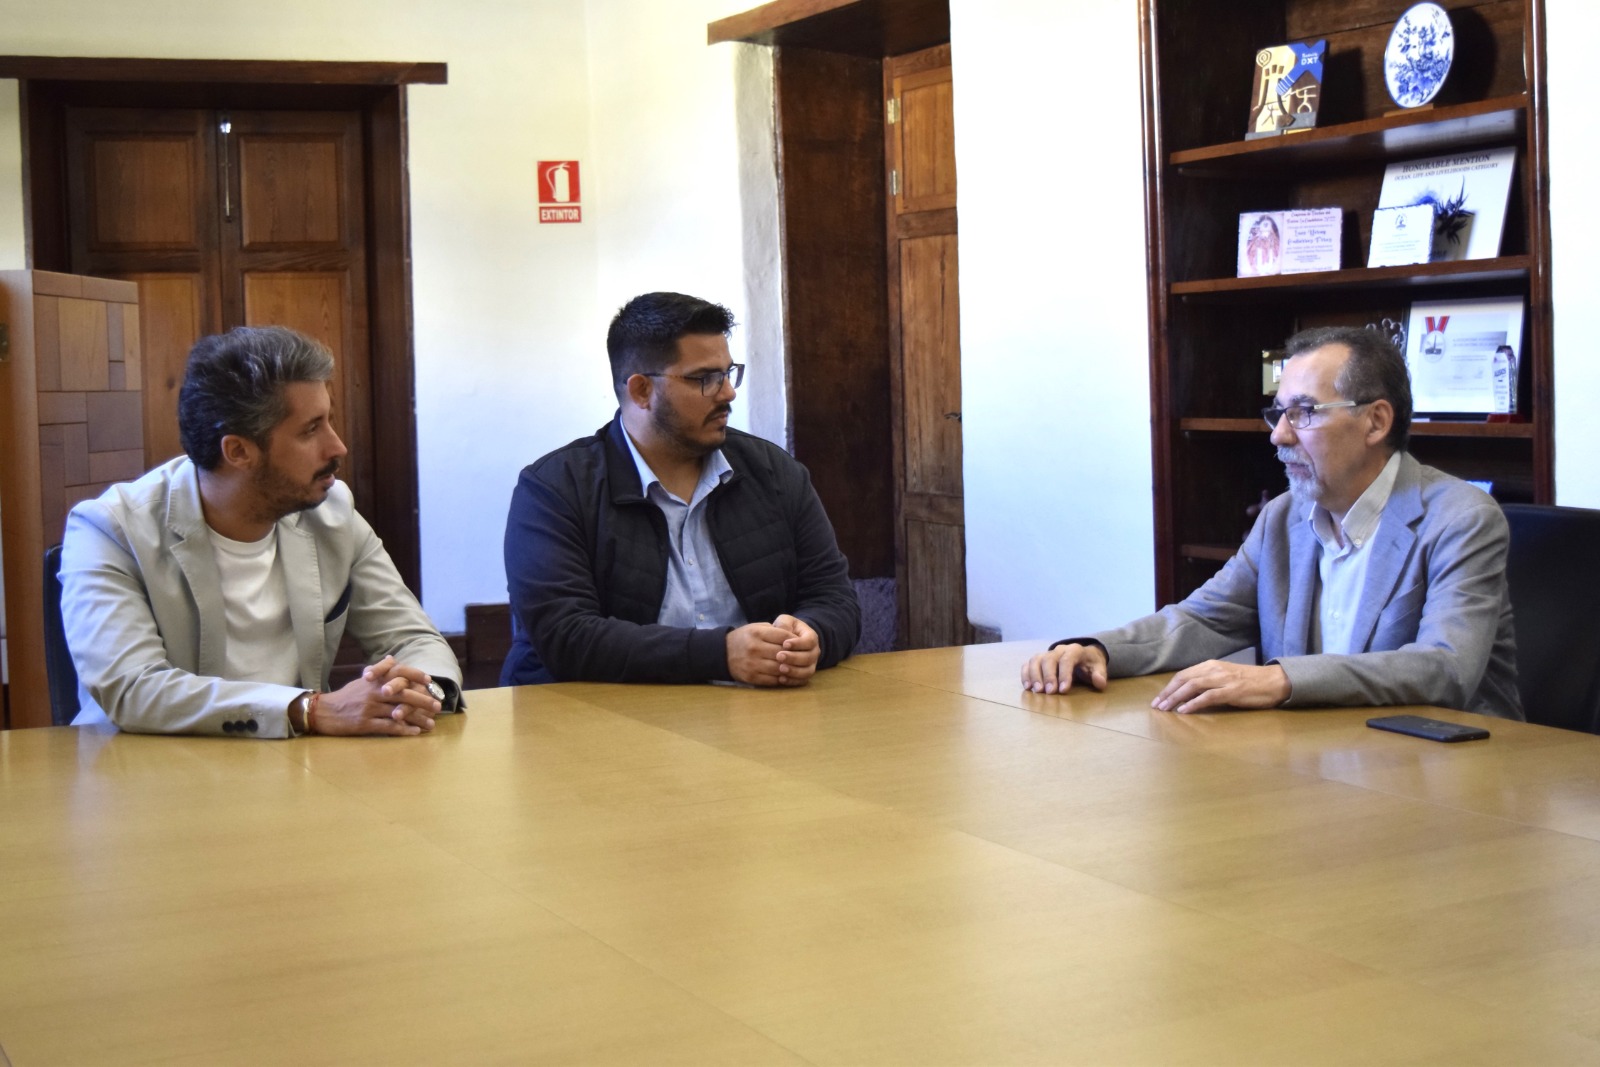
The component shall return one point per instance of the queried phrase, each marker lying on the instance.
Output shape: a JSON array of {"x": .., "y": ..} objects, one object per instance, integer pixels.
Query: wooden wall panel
[
  {"x": 66, "y": 433},
  {"x": 831, "y": 154},
  {"x": 47, "y": 343},
  {"x": 85, "y": 348}
]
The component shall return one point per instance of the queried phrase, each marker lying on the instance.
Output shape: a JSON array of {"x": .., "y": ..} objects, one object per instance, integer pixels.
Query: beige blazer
[{"x": 143, "y": 610}]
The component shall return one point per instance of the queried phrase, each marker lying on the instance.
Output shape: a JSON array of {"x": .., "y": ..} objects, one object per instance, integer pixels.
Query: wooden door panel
[
  {"x": 140, "y": 188},
  {"x": 315, "y": 304},
  {"x": 930, "y": 332},
  {"x": 933, "y": 507},
  {"x": 310, "y": 303},
  {"x": 926, "y": 156},
  {"x": 289, "y": 190},
  {"x": 169, "y": 323},
  {"x": 144, "y": 194},
  {"x": 934, "y": 552}
]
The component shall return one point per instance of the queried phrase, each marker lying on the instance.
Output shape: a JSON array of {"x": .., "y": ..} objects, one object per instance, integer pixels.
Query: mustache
[
  {"x": 720, "y": 409},
  {"x": 1289, "y": 455},
  {"x": 331, "y": 469}
]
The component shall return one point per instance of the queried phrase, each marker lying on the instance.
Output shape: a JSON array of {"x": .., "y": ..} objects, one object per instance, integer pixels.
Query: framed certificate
[{"x": 1452, "y": 351}]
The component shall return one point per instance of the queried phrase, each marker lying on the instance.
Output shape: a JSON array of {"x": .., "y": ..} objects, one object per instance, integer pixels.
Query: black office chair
[
  {"x": 1554, "y": 572},
  {"x": 57, "y": 656}
]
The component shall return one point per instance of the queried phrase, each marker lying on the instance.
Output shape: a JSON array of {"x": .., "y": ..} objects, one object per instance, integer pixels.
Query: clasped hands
[
  {"x": 783, "y": 652},
  {"x": 1213, "y": 684},
  {"x": 389, "y": 698}
]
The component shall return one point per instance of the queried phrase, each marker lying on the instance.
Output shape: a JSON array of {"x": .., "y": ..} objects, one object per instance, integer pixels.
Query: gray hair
[
  {"x": 1375, "y": 371},
  {"x": 233, "y": 384}
]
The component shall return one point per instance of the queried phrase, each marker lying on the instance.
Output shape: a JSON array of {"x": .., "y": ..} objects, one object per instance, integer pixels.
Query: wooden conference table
[{"x": 911, "y": 861}]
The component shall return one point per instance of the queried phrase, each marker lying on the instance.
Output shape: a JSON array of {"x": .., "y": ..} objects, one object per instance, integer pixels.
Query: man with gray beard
[{"x": 1374, "y": 580}]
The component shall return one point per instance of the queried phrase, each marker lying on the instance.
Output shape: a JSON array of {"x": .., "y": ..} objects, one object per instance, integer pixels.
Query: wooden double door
[{"x": 227, "y": 218}]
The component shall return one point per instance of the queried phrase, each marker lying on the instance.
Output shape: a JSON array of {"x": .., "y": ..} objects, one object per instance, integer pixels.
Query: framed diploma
[{"x": 1463, "y": 356}]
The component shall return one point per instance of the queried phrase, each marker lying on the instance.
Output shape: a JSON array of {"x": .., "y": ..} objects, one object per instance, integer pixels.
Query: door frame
[{"x": 48, "y": 84}]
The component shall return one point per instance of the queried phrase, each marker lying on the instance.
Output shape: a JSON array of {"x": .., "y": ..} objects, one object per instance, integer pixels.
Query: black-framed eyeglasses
[
  {"x": 1304, "y": 416},
  {"x": 710, "y": 381}
]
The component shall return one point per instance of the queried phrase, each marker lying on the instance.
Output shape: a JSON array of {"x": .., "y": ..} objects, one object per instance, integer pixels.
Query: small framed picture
[{"x": 1463, "y": 356}]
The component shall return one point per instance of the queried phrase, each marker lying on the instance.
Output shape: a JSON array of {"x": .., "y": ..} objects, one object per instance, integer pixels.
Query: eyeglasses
[
  {"x": 710, "y": 382},
  {"x": 1304, "y": 416}
]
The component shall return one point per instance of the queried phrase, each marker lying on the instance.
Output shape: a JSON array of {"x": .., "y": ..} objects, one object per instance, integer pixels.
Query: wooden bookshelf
[
  {"x": 1212, "y": 459},
  {"x": 1418, "y": 429},
  {"x": 1391, "y": 136},
  {"x": 1421, "y": 275}
]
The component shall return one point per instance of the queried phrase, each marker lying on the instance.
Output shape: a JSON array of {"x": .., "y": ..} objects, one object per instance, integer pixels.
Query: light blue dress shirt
[
  {"x": 697, "y": 594},
  {"x": 1342, "y": 566}
]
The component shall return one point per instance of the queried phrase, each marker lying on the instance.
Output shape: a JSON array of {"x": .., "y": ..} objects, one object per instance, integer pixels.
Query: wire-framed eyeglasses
[{"x": 1304, "y": 416}]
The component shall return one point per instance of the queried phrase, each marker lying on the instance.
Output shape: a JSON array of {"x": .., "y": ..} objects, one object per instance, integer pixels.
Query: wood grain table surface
[{"x": 910, "y": 861}]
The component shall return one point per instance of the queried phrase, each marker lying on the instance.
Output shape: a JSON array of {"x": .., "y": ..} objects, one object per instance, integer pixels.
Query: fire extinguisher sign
[{"x": 558, "y": 191}]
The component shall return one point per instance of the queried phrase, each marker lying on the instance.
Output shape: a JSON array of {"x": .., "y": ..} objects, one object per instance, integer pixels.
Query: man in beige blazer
[{"x": 210, "y": 595}]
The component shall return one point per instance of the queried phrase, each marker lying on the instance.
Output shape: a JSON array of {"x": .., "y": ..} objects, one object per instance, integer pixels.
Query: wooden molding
[
  {"x": 263, "y": 71},
  {"x": 768, "y": 18},
  {"x": 870, "y": 28}
]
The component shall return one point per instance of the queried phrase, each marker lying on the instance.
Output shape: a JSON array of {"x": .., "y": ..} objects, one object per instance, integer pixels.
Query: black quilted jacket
[{"x": 586, "y": 565}]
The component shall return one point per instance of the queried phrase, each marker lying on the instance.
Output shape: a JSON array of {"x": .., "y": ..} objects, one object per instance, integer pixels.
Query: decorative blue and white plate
[{"x": 1418, "y": 57}]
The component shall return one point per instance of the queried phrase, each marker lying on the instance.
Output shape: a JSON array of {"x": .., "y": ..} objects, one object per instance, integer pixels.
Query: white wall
[
  {"x": 685, "y": 181},
  {"x": 1572, "y": 27},
  {"x": 1054, "y": 342}
]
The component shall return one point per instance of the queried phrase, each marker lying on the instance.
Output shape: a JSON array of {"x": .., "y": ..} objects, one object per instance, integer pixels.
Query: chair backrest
[
  {"x": 1554, "y": 572},
  {"x": 58, "y": 657}
]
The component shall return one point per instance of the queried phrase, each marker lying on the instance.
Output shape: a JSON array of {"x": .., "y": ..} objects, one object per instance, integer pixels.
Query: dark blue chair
[
  {"x": 57, "y": 656},
  {"x": 1553, "y": 569}
]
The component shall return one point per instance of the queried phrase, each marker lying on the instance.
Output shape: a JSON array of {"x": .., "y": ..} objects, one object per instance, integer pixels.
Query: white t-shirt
[{"x": 255, "y": 599}]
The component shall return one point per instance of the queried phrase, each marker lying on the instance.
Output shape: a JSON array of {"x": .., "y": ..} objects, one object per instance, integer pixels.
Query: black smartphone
[{"x": 1432, "y": 729}]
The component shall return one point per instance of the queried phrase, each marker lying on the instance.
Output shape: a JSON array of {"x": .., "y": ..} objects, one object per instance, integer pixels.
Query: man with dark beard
[
  {"x": 1374, "y": 580},
  {"x": 667, "y": 547},
  {"x": 210, "y": 595}
]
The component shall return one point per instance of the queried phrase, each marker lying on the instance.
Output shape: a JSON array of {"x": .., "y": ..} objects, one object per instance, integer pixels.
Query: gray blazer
[
  {"x": 1435, "y": 618},
  {"x": 142, "y": 604}
]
